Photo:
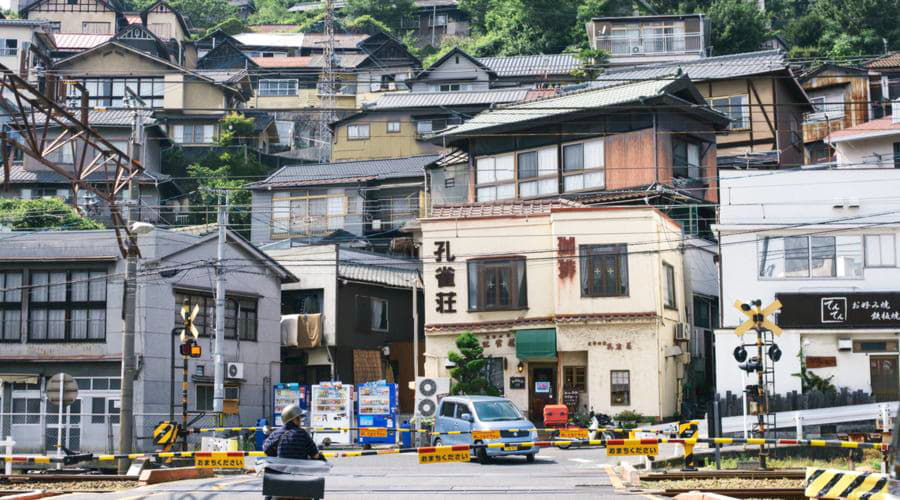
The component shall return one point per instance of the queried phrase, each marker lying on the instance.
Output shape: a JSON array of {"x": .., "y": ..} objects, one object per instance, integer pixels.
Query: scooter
[{"x": 601, "y": 421}]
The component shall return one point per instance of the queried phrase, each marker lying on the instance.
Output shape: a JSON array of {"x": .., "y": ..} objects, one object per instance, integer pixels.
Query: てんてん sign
[{"x": 839, "y": 310}]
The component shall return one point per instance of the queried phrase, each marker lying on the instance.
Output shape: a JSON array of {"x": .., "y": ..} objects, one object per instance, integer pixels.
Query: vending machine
[
  {"x": 376, "y": 409},
  {"x": 332, "y": 407},
  {"x": 286, "y": 394}
]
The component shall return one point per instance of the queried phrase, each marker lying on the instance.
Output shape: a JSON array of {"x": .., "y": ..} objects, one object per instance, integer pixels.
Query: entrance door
[
  {"x": 542, "y": 391},
  {"x": 885, "y": 382}
]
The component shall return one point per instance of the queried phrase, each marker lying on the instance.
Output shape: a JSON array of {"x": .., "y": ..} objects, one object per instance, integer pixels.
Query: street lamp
[{"x": 126, "y": 406}]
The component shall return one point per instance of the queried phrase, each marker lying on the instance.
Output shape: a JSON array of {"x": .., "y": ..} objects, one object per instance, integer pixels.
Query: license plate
[{"x": 510, "y": 448}]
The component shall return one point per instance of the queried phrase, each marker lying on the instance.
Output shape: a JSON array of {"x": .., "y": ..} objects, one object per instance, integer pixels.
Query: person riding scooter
[{"x": 291, "y": 441}]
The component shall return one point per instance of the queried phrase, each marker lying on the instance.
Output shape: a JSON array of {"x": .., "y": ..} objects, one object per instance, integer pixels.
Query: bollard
[
  {"x": 798, "y": 423},
  {"x": 9, "y": 451},
  {"x": 688, "y": 457}
]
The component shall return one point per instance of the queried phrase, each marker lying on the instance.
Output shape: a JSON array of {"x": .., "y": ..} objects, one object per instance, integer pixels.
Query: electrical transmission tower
[{"x": 328, "y": 85}]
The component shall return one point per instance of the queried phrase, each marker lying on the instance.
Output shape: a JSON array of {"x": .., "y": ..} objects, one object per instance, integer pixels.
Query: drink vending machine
[
  {"x": 332, "y": 407},
  {"x": 377, "y": 409},
  {"x": 286, "y": 394}
]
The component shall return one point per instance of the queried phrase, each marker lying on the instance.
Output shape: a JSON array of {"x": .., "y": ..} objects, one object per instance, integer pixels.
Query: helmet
[{"x": 290, "y": 412}]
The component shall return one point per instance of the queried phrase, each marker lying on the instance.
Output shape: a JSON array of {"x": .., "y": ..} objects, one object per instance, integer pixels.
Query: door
[
  {"x": 445, "y": 422},
  {"x": 885, "y": 382},
  {"x": 541, "y": 391}
]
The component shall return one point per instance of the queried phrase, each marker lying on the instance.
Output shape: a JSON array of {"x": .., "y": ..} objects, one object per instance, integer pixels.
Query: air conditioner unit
[
  {"x": 682, "y": 332},
  {"x": 429, "y": 392},
  {"x": 234, "y": 370},
  {"x": 845, "y": 345},
  {"x": 392, "y": 86},
  {"x": 637, "y": 49}
]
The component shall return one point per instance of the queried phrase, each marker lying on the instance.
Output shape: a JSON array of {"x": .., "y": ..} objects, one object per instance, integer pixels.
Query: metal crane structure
[
  {"x": 31, "y": 114},
  {"x": 328, "y": 85}
]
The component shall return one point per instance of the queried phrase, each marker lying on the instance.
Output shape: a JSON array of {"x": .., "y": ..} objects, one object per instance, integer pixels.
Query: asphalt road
[{"x": 555, "y": 473}]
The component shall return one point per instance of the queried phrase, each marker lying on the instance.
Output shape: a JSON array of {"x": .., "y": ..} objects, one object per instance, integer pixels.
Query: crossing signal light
[
  {"x": 190, "y": 348},
  {"x": 195, "y": 350},
  {"x": 753, "y": 365},
  {"x": 185, "y": 349}
]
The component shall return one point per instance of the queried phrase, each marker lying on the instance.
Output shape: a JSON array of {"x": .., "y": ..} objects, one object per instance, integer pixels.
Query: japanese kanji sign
[{"x": 840, "y": 310}]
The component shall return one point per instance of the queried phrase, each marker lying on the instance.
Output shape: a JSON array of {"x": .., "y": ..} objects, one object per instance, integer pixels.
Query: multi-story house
[
  {"x": 27, "y": 47},
  {"x": 840, "y": 96},
  {"x": 366, "y": 202},
  {"x": 63, "y": 312},
  {"x": 351, "y": 317},
  {"x": 572, "y": 304},
  {"x": 824, "y": 243},
  {"x": 884, "y": 82},
  {"x": 635, "y": 40},
  {"x": 757, "y": 90},
  {"x": 32, "y": 179},
  {"x": 875, "y": 143},
  {"x": 98, "y": 17}
]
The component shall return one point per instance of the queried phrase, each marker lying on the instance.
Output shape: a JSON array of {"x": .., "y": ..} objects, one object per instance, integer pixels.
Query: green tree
[
  {"x": 532, "y": 26},
  {"x": 50, "y": 213},
  {"x": 736, "y": 26},
  {"x": 468, "y": 374},
  {"x": 857, "y": 27},
  {"x": 211, "y": 185},
  {"x": 398, "y": 15},
  {"x": 477, "y": 11},
  {"x": 236, "y": 129},
  {"x": 203, "y": 13},
  {"x": 230, "y": 26}
]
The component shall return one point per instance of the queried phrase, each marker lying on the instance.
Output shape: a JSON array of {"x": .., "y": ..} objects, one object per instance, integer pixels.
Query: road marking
[
  {"x": 233, "y": 483},
  {"x": 147, "y": 495},
  {"x": 581, "y": 460}
]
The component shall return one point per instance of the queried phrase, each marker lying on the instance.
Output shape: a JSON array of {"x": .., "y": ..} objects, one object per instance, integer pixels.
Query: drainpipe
[{"x": 655, "y": 148}]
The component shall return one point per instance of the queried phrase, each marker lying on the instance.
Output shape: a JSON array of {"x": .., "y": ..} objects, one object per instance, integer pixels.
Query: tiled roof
[
  {"x": 532, "y": 65},
  {"x": 18, "y": 175},
  {"x": 117, "y": 117},
  {"x": 349, "y": 171},
  {"x": 559, "y": 105},
  {"x": 282, "y": 62},
  {"x": 223, "y": 76},
  {"x": 196, "y": 230},
  {"x": 74, "y": 41},
  {"x": 374, "y": 273},
  {"x": 891, "y": 60},
  {"x": 708, "y": 68},
  {"x": 548, "y": 320},
  {"x": 437, "y": 99},
  {"x": 272, "y": 28},
  {"x": 881, "y": 126},
  {"x": 342, "y": 40},
  {"x": 512, "y": 208},
  {"x": 343, "y": 60}
]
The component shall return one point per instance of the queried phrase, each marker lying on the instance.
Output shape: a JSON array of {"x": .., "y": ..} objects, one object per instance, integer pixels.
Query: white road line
[{"x": 581, "y": 460}]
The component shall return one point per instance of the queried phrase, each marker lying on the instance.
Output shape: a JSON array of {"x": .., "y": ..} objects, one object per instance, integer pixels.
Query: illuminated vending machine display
[
  {"x": 286, "y": 394},
  {"x": 376, "y": 412},
  {"x": 332, "y": 407}
]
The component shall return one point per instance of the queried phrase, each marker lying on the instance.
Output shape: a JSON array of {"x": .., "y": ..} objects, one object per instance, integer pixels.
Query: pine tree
[{"x": 468, "y": 375}]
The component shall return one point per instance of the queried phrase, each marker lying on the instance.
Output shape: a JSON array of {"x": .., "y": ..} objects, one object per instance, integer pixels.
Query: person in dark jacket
[{"x": 291, "y": 441}]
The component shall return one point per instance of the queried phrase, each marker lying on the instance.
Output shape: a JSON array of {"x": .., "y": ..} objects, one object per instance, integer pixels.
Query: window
[
  {"x": 194, "y": 133},
  {"x": 26, "y": 410},
  {"x": 497, "y": 284},
  {"x": 379, "y": 314},
  {"x": 393, "y": 127},
  {"x": 437, "y": 20},
  {"x": 685, "y": 159},
  {"x": 99, "y": 409},
  {"x": 303, "y": 212},
  {"x": 448, "y": 409},
  {"x": 264, "y": 53},
  {"x": 434, "y": 125},
  {"x": 537, "y": 173},
  {"x": 495, "y": 178},
  {"x": 358, "y": 132},
  {"x": 620, "y": 388},
  {"x": 399, "y": 210},
  {"x": 205, "y": 396},
  {"x": 583, "y": 164},
  {"x": 162, "y": 30},
  {"x": 880, "y": 250},
  {"x": 575, "y": 378},
  {"x": 110, "y": 92},
  {"x": 810, "y": 257},
  {"x": 240, "y": 313},
  {"x": 371, "y": 314},
  {"x": 451, "y": 87},
  {"x": 67, "y": 306},
  {"x": 96, "y": 28},
  {"x": 10, "y": 306},
  {"x": 669, "y": 285},
  {"x": 818, "y": 104},
  {"x": 874, "y": 346},
  {"x": 604, "y": 270},
  {"x": 897, "y": 155},
  {"x": 493, "y": 372},
  {"x": 735, "y": 108},
  {"x": 9, "y": 47},
  {"x": 55, "y": 26},
  {"x": 449, "y": 182},
  {"x": 66, "y": 153},
  {"x": 827, "y": 104},
  {"x": 274, "y": 88}
]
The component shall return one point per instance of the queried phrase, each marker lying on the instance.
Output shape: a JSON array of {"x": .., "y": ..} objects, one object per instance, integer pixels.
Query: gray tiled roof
[
  {"x": 532, "y": 65},
  {"x": 117, "y": 117},
  {"x": 223, "y": 76},
  {"x": 436, "y": 99},
  {"x": 559, "y": 105},
  {"x": 348, "y": 171},
  {"x": 69, "y": 245},
  {"x": 709, "y": 68},
  {"x": 512, "y": 208},
  {"x": 393, "y": 276},
  {"x": 19, "y": 175}
]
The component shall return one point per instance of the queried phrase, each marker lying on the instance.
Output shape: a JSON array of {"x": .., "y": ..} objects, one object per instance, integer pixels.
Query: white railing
[{"x": 638, "y": 45}]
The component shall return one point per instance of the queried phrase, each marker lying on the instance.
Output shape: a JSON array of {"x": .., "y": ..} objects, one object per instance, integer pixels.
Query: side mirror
[{"x": 466, "y": 416}]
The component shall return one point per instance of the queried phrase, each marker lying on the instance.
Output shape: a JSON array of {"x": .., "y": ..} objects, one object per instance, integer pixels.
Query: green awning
[{"x": 536, "y": 344}]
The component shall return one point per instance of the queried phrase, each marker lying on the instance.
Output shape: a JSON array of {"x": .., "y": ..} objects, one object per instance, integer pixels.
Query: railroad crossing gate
[{"x": 831, "y": 483}]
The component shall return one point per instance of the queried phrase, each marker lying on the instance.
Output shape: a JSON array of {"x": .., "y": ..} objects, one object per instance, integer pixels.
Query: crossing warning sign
[
  {"x": 624, "y": 450},
  {"x": 444, "y": 454},
  {"x": 219, "y": 462}
]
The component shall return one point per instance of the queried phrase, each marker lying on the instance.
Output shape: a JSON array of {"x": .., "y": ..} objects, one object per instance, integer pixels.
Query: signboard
[
  {"x": 570, "y": 399},
  {"x": 62, "y": 386},
  {"x": 219, "y": 462},
  {"x": 373, "y": 432},
  {"x": 485, "y": 435},
  {"x": 516, "y": 382},
  {"x": 573, "y": 433},
  {"x": 839, "y": 310},
  {"x": 625, "y": 450},
  {"x": 541, "y": 386},
  {"x": 443, "y": 454}
]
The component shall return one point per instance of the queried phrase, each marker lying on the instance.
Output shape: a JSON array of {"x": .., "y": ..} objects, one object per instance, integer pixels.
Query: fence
[{"x": 732, "y": 404}]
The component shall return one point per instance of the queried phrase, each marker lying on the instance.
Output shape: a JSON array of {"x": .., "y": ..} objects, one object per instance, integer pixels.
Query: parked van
[{"x": 484, "y": 413}]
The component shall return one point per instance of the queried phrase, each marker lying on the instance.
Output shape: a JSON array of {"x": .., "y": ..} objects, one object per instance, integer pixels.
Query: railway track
[
  {"x": 724, "y": 474},
  {"x": 741, "y": 492}
]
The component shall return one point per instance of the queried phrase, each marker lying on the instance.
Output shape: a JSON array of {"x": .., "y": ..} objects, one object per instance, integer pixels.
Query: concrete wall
[{"x": 871, "y": 152}]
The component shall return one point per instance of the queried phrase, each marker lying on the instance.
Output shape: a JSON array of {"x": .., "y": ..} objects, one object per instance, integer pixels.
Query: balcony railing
[
  {"x": 639, "y": 45},
  {"x": 8, "y": 52}
]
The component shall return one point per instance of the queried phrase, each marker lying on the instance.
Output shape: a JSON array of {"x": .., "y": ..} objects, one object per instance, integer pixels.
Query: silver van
[{"x": 484, "y": 413}]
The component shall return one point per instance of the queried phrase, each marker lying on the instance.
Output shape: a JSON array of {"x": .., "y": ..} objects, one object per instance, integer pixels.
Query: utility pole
[
  {"x": 126, "y": 403},
  {"x": 327, "y": 85},
  {"x": 219, "y": 356}
]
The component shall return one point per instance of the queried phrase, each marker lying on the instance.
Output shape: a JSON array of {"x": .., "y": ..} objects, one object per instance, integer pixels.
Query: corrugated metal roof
[
  {"x": 223, "y": 76},
  {"x": 373, "y": 273},
  {"x": 72, "y": 41},
  {"x": 559, "y": 105},
  {"x": 512, "y": 208},
  {"x": 709, "y": 68},
  {"x": 435, "y": 99},
  {"x": 282, "y": 62},
  {"x": 117, "y": 117},
  {"x": 68, "y": 245},
  {"x": 349, "y": 171},
  {"x": 532, "y": 65}
]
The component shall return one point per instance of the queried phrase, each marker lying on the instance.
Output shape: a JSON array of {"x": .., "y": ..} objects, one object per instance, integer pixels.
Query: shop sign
[
  {"x": 839, "y": 310},
  {"x": 516, "y": 382},
  {"x": 445, "y": 301},
  {"x": 625, "y": 450}
]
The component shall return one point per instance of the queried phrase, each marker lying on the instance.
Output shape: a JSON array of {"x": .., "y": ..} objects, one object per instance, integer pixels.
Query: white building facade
[{"x": 823, "y": 242}]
